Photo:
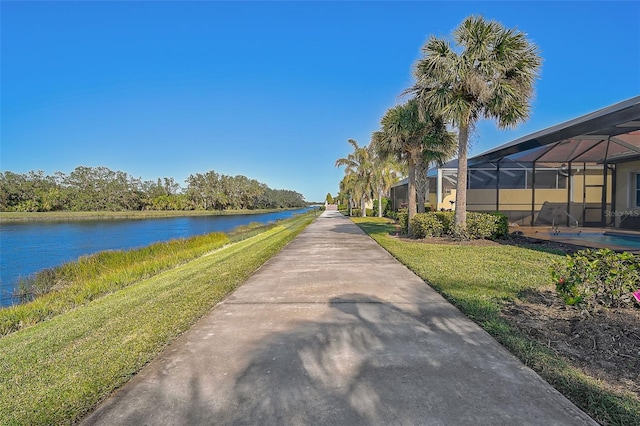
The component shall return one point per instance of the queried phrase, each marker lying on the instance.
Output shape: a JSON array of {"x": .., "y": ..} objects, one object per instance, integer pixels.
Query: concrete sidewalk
[{"x": 334, "y": 331}]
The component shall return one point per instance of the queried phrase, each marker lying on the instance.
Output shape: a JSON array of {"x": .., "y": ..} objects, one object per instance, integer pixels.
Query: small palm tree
[
  {"x": 347, "y": 190},
  {"x": 387, "y": 171},
  {"x": 489, "y": 75},
  {"x": 359, "y": 168},
  {"x": 414, "y": 138}
]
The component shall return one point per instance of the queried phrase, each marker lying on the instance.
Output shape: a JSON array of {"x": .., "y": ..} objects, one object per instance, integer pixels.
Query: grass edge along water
[{"x": 56, "y": 290}]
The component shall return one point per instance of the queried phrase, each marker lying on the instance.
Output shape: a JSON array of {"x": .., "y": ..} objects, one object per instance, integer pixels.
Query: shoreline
[{"x": 15, "y": 217}]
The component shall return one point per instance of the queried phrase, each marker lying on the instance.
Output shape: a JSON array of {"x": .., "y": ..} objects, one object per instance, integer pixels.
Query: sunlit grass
[
  {"x": 59, "y": 289},
  {"x": 480, "y": 280},
  {"x": 58, "y": 370},
  {"x": 72, "y": 284}
]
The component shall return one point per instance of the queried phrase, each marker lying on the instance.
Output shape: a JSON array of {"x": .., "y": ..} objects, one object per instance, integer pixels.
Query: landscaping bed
[{"x": 605, "y": 345}]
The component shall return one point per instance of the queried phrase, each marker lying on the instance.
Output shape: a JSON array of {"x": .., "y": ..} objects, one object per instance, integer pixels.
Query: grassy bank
[
  {"x": 73, "y": 284},
  {"x": 56, "y": 371},
  {"x": 481, "y": 281},
  {"x": 7, "y": 217}
]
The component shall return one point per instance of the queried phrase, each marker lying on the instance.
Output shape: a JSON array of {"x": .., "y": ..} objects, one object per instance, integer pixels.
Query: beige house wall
[{"x": 584, "y": 202}]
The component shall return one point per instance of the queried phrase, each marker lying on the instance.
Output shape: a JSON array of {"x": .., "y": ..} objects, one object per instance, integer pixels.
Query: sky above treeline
[{"x": 269, "y": 90}]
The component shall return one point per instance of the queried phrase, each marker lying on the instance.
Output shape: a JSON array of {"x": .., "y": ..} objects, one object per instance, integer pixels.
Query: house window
[
  {"x": 513, "y": 179},
  {"x": 547, "y": 179},
  {"x": 482, "y": 179}
]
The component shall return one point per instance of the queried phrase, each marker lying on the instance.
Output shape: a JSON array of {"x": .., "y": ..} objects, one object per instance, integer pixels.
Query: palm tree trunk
[
  {"x": 461, "y": 187},
  {"x": 427, "y": 190},
  {"x": 412, "y": 188},
  {"x": 363, "y": 207},
  {"x": 421, "y": 184},
  {"x": 379, "y": 203}
]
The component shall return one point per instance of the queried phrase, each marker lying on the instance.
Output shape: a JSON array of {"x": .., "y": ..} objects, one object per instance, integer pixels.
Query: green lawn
[
  {"x": 58, "y": 370},
  {"x": 479, "y": 280}
]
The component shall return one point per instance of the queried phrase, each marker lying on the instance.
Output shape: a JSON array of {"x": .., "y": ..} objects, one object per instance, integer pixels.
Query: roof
[
  {"x": 404, "y": 181},
  {"x": 609, "y": 134}
]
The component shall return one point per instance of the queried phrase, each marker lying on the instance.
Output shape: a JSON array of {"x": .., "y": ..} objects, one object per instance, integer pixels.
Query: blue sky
[{"x": 269, "y": 90}]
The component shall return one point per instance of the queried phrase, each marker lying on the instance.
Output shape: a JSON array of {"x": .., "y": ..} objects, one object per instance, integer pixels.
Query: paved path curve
[{"x": 334, "y": 331}]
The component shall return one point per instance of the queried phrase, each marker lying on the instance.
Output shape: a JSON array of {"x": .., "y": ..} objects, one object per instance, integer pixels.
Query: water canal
[{"x": 28, "y": 247}]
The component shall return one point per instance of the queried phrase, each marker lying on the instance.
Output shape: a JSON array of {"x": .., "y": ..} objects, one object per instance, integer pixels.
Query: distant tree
[
  {"x": 348, "y": 191},
  {"x": 99, "y": 188},
  {"x": 359, "y": 164},
  {"x": 387, "y": 171},
  {"x": 329, "y": 198},
  {"x": 490, "y": 74},
  {"x": 206, "y": 190}
]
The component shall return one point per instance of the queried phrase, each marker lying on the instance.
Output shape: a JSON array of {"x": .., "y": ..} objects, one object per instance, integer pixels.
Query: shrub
[
  {"x": 459, "y": 232},
  {"x": 358, "y": 212},
  {"x": 479, "y": 225},
  {"x": 403, "y": 220},
  {"x": 502, "y": 225},
  {"x": 425, "y": 225},
  {"x": 446, "y": 218},
  {"x": 386, "y": 206},
  {"x": 593, "y": 278}
]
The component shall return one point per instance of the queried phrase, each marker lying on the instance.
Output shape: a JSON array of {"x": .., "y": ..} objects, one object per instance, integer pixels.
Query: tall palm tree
[
  {"x": 360, "y": 172},
  {"x": 413, "y": 140},
  {"x": 489, "y": 74}
]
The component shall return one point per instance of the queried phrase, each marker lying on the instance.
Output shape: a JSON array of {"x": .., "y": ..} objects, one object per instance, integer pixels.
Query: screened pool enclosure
[{"x": 584, "y": 172}]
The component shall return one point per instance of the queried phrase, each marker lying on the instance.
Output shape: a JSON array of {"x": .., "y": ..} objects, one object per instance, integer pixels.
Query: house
[{"x": 583, "y": 172}]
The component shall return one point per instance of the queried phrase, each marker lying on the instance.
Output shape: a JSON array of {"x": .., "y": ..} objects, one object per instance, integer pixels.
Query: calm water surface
[{"x": 26, "y": 248}]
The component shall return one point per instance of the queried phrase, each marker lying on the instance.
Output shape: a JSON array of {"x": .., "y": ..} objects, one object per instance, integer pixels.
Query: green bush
[
  {"x": 425, "y": 225},
  {"x": 460, "y": 232},
  {"x": 592, "y": 278},
  {"x": 386, "y": 206},
  {"x": 502, "y": 225},
  {"x": 446, "y": 218},
  {"x": 403, "y": 220},
  {"x": 481, "y": 225},
  {"x": 358, "y": 212}
]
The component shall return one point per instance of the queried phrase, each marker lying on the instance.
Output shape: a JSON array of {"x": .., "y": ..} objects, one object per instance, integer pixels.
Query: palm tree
[
  {"x": 414, "y": 140},
  {"x": 439, "y": 147},
  {"x": 359, "y": 169},
  {"x": 347, "y": 185},
  {"x": 490, "y": 74},
  {"x": 387, "y": 171}
]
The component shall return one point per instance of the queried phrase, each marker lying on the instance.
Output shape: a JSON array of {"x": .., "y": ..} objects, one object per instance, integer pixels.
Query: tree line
[
  {"x": 488, "y": 72},
  {"x": 102, "y": 189}
]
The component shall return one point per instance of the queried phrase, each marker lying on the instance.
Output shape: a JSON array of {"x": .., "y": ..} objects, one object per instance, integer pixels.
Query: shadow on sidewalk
[{"x": 367, "y": 362}]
